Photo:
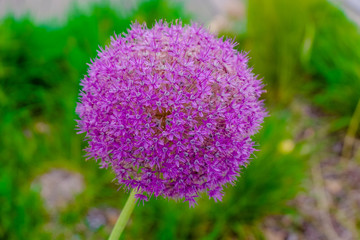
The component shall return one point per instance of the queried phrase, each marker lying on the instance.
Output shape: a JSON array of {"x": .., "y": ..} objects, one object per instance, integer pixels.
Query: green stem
[{"x": 124, "y": 217}]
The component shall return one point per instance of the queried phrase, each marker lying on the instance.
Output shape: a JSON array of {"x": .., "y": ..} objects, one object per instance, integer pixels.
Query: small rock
[
  {"x": 98, "y": 217},
  {"x": 272, "y": 234},
  {"x": 333, "y": 186},
  {"x": 112, "y": 215},
  {"x": 59, "y": 187}
]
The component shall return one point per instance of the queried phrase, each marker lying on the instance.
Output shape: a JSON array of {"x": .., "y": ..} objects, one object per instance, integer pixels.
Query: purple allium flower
[{"x": 171, "y": 109}]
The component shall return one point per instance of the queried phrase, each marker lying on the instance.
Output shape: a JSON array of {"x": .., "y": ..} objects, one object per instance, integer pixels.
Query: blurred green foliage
[{"x": 305, "y": 48}]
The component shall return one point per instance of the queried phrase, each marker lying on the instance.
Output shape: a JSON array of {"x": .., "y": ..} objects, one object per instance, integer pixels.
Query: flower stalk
[{"x": 124, "y": 217}]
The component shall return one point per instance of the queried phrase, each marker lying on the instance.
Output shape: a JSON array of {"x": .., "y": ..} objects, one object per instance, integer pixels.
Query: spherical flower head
[{"x": 171, "y": 110}]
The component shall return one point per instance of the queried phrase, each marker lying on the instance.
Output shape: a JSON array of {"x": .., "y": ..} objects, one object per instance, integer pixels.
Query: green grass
[{"x": 305, "y": 49}]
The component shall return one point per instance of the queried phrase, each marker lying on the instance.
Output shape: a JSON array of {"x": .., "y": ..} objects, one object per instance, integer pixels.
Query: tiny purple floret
[{"x": 171, "y": 110}]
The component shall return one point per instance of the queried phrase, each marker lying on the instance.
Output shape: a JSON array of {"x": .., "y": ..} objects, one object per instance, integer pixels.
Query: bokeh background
[{"x": 303, "y": 183}]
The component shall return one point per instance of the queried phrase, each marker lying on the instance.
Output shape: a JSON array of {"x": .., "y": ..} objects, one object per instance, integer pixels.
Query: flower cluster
[{"x": 171, "y": 110}]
